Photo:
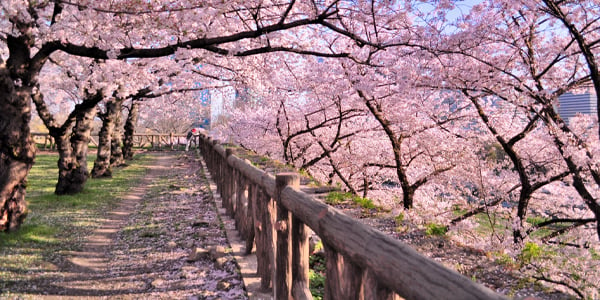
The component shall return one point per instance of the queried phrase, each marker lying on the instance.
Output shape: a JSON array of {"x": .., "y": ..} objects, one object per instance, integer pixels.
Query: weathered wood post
[
  {"x": 263, "y": 228},
  {"x": 373, "y": 290},
  {"x": 48, "y": 141},
  {"x": 163, "y": 138},
  {"x": 282, "y": 283},
  {"x": 230, "y": 184},
  {"x": 343, "y": 277},
  {"x": 250, "y": 218},
  {"x": 300, "y": 263},
  {"x": 241, "y": 204},
  {"x": 171, "y": 141},
  {"x": 212, "y": 152},
  {"x": 197, "y": 139}
]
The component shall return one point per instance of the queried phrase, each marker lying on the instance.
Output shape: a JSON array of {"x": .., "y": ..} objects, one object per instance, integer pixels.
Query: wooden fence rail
[
  {"x": 165, "y": 141},
  {"x": 361, "y": 262}
]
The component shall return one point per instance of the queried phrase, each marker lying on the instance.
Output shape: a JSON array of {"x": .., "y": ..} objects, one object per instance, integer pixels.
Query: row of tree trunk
[{"x": 73, "y": 136}]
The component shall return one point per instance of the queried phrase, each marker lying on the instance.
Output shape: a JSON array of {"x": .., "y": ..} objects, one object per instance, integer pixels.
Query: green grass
[
  {"x": 436, "y": 229},
  {"x": 334, "y": 198},
  {"x": 536, "y": 220},
  {"x": 56, "y": 224}
]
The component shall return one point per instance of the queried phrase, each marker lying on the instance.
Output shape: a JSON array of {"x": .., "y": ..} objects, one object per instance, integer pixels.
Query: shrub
[
  {"x": 364, "y": 202},
  {"x": 317, "y": 284},
  {"x": 334, "y": 198},
  {"x": 317, "y": 275},
  {"x": 505, "y": 260},
  {"x": 399, "y": 218},
  {"x": 530, "y": 252},
  {"x": 435, "y": 229}
]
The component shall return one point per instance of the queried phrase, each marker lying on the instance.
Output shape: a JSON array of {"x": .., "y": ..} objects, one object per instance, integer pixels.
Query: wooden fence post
[
  {"x": 234, "y": 182},
  {"x": 371, "y": 289},
  {"x": 241, "y": 202},
  {"x": 282, "y": 283},
  {"x": 343, "y": 277},
  {"x": 229, "y": 184},
  {"x": 263, "y": 226},
  {"x": 250, "y": 217},
  {"x": 300, "y": 260}
]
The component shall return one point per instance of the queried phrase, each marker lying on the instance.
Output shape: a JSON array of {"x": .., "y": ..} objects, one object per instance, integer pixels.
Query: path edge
[{"x": 246, "y": 262}]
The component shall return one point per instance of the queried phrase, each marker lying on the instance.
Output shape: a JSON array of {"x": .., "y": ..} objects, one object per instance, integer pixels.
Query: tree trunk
[
  {"x": 102, "y": 163},
  {"x": 116, "y": 150},
  {"x": 408, "y": 195},
  {"x": 17, "y": 149},
  {"x": 73, "y": 179},
  {"x": 102, "y": 167},
  {"x": 71, "y": 139},
  {"x": 66, "y": 160},
  {"x": 408, "y": 190},
  {"x": 82, "y": 134},
  {"x": 130, "y": 125},
  {"x": 18, "y": 77}
]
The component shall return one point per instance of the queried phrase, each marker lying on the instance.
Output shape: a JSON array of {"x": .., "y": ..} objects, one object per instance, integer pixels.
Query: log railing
[
  {"x": 361, "y": 262},
  {"x": 172, "y": 141},
  {"x": 154, "y": 141}
]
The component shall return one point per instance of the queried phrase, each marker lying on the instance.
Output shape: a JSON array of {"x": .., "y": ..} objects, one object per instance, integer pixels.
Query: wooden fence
[
  {"x": 168, "y": 141},
  {"x": 361, "y": 262}
]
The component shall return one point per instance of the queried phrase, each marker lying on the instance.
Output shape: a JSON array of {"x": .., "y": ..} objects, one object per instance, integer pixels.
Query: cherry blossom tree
[
  {"x": 529, "y": 67},
  {"x": 505, "y": 64},
  {"x": 72, "y": 134},
  {"x": 518, "y": 53},
  {"x": 32, "y": 31}
]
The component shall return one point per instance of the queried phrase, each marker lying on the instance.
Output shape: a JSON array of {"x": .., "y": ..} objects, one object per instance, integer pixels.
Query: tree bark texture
[
  {"x": 116, "y": 141},
  {"x": 79, "y": 142},
  {"x": 408, "y": 189},
  {"x": 130, "y": 125},
  {"x": 102, "y": 167},
  {"x": 17, "y": 150},
  {"x": 66, "y": 159}
]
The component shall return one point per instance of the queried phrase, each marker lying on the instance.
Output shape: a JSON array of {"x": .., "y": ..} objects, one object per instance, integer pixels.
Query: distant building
[
  {"x": 570, "y": 104},
  {"x": 221, "y": 101}
]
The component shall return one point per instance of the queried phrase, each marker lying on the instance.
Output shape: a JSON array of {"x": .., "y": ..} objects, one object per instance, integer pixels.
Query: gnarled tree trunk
[
  {"x": 130, "y": 125},
  {"x": 102, "y": 167},
  {"x": 81, "y": 139},
  {"x": 66, "y": 159},
  {"x": 17, "y": 149},
  {"x": 116, "y": 141},
  {"x": 73, "y": 171}
]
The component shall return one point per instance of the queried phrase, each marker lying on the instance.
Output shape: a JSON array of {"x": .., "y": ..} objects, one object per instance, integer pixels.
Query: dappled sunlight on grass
[{"x": 31, "y": 233}]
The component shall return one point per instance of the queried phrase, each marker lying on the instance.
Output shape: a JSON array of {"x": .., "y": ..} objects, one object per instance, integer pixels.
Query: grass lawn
[{"x": 57, "y": 224}]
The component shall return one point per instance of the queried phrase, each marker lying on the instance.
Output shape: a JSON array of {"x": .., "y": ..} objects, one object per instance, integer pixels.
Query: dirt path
[
  {"x": 142, "y": 249},
  {"x": 93, "y": 258}
]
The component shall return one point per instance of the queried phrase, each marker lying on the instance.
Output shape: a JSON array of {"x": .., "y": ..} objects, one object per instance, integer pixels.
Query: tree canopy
[{"x": 442, "y": 109}]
